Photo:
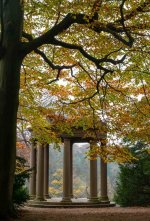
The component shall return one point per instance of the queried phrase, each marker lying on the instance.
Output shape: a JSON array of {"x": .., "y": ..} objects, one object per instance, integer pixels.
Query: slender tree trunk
[{"x": 10, "y": 64}]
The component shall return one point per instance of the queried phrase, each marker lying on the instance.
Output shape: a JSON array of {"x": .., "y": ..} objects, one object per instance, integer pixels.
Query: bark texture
[{"x": 10, "y": 64}]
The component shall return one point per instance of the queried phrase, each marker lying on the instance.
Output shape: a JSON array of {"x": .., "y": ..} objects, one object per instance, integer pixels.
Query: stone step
[{"x": 43, "y": 204}]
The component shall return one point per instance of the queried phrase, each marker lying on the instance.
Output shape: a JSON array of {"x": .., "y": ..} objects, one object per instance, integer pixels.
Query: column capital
[{"x": 67, "y": 139}]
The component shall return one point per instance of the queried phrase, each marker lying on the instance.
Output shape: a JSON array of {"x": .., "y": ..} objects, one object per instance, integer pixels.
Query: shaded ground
[{"x": 85, "y": 214}]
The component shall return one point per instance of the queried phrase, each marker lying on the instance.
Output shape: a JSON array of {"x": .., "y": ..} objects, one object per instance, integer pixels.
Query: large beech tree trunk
[{"x": 10, "y": 64}]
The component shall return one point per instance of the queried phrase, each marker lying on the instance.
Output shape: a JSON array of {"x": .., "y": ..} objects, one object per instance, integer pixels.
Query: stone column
[
  {"x": 104, "y": 193},
  {"x": 66, "y": 172},
  {"x": 46, "y": 171},
  {"x": 32, "y": 180},
  {"x": 93, "y": 181},
  {"x": 71, "y": 170},
  {"x": 40, "y": 173}
]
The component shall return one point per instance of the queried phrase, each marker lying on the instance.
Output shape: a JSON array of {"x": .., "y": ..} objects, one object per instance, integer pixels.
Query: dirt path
[{"x": 85, "y": 214}]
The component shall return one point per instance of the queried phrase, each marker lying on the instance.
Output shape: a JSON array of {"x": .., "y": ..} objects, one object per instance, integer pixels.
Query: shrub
[
  {"x": 133, "y": 182},
  {"x": 20, "y": 192}
]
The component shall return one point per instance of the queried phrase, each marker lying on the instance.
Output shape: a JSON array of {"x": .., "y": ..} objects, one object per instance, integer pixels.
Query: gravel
[{"x": 84, "y": 214}]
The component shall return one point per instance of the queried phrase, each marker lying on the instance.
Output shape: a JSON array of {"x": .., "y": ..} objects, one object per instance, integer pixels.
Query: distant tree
[
  {"x": 133, "y": 184},
  {"x": 56, "y": 185},
  {"x": 79, "y": 190}
]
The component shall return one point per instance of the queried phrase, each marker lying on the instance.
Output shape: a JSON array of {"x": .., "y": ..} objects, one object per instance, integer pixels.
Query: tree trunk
[{"x": 10, "y": 64}]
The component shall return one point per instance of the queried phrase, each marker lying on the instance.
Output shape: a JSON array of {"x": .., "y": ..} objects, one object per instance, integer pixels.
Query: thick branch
[
  {"x": 92, "y": 23},
  {"x": 88, "y": 56},
  {"x": 69, "y": 20},
  {"x": 48, "y": 37},
  {"x": 81, "y": 50}
]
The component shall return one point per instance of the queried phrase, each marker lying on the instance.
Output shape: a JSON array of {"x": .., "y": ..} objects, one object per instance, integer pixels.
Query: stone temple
[{"x": 39, "y": 179}]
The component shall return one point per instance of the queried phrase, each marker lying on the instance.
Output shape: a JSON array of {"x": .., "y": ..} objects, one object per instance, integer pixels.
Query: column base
[
  {"x": 47, "y": 196},
  {"x": 71, "y": 196},
  {"x": 39, "y": 198},
  {"x": 32, "y": 197},
  {"x": 93, "y": 200},
  {"x": 104, "y": 199},
  {"x": 66, "y": 200}
]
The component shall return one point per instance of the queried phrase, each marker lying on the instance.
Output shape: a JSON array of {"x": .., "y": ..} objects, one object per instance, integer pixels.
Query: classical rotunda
[{"x": 39, "y": 179}]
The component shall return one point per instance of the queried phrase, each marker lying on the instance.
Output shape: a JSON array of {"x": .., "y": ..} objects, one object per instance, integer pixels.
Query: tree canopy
[{"x": 96, "y": 70}]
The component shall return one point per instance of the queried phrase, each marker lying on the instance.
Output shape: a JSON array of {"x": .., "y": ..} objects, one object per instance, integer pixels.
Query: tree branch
[
  {"x": 92, "y": 23},
  {"x": 144, "y": 89},
  {"x": 81, "y": 50},
  {"x": 77, "y": 81},
  {"x": 133, "y": 13},
  {"x": 69, "y": 20},
  {"x": 48, "y": 37},
  {"x": 123, "y": 94},
  {"x": 54, "y": 67},
  {"x": 91, "y": 96},
  {"x": 96, "y": 7},
  {"x": 122, "y": 20},
  {"x": 88, "y": 56}
]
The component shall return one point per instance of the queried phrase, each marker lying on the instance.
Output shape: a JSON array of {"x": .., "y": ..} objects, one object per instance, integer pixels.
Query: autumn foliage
[{"x": 88, "y": 79}]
